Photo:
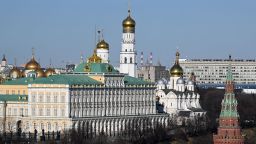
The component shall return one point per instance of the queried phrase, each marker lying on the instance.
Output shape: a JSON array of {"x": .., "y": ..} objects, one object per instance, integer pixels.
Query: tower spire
[
  {"x": 15, "y": 62},
  {"x": 81, "y": 58},
  {"x": 129, "y": 7},
  {"x": 50, "y": 62},
  {"x": 4, "y": 59},
  {"x": 99, "y": 35},
  {"x": 229, "y": 129},
  {"x": 33, "y": 52},
  {"x": 102, "y": 37},
  {"x": 128, "y": 54},
  {"x": 177, "y": 57}
]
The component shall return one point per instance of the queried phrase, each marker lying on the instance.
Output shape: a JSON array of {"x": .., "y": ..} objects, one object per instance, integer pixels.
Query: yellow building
[{"x": 14, "y": 106}]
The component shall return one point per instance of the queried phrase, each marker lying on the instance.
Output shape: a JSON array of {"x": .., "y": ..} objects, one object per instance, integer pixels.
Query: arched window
[
  {"x": 42, "y": 125},
  {"x": 125, "y": 60},
  {"x": 56, "y": 127},
  {"x": 130, "y": 59},
  {"x": 49, "y": 126}
]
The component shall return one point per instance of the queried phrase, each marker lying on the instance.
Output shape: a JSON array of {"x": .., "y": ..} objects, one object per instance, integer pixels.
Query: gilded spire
[
  {"x": 102, "y": 44},
  {"x": 177, "y": 57},
  {"x": 33, "y": 53},
  {"x": 32, "y": 64},
  {"x": 176, "y": 69}
]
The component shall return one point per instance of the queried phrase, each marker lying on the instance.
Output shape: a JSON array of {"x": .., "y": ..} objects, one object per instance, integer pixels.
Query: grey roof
[
  {"x": 196, "y": 109},
  {"x": 184, "y": 113}
]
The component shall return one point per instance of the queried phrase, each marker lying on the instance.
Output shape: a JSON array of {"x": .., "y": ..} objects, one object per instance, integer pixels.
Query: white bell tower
[{"x": 128, "y": 64}]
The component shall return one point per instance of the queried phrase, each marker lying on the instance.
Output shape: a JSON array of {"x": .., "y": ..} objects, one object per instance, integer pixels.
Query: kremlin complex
[{"x": 98, "y": 97}]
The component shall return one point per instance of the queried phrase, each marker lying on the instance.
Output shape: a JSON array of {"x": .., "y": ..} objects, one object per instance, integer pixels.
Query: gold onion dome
[
  {"x": 49, "y": 71},
  {"x": 176, "y": 69},
  {"x": 94, "y": 58},
  {"x": 15, "y": 73},
  {"x": 102, "y": 45},
  {"x": 129, "y": 23},
  {"x": 40, "y": 73},
  {"x": 32, "y": 65}
]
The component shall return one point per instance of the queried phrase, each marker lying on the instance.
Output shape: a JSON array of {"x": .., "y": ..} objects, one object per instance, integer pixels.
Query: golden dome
[
  {"x": 40, "y": 73},
  {"x": 32, "y": 65},
  {"x": 94, "y": 58},
  {"x": 15, "y": 73},
  {"x": 176, "y": 69},
  {"x": 129, "y": 24},
  {"x": 103, "y": 45},
  {"x": 49, "y": 71}
]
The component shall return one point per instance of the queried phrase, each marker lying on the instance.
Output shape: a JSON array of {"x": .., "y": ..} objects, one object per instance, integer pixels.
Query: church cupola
[
  {"x": 176, "y": 72},
  {"x": 129, "y": 24},
  {"x": 102, "y": 49},
  {"x": 176, "y": 69}
]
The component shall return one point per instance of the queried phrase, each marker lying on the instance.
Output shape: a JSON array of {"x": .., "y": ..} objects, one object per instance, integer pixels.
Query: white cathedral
[{"x": 177, "y": 96}]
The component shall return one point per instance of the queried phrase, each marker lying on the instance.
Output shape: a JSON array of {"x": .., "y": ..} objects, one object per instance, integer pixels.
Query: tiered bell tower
[
  {"x": 128, "y": 53},
  {"x": 229, "y": 130}
]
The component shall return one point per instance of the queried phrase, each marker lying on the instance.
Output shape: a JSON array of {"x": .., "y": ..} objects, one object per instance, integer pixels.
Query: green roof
[
  {"x": 229, "y": 106},
  {"x": 128, "y": 80},
  {"x": 20, "y": 81},
  {"x": 54, "y": 79},
  {"x": 21, "y": 98},
  {"x": 66, "y": 79},
  {"x": 96, "y": 67}
]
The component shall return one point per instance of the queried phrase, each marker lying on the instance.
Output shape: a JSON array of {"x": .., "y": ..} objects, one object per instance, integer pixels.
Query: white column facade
[{"x": 128, "y": 54}]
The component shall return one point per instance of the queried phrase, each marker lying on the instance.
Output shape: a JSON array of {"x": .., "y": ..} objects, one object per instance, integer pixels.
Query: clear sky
[{"x": 63, "y": 29}]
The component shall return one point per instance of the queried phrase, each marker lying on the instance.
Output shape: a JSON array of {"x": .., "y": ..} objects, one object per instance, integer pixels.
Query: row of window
[
  {"x": 17, "y": 112},
  {"x": 19, "y": 92},
  {"x": 110, "y": 92},
  {"x": 47, "y": 126},
  {"x": 113, "y": 105},
  {"x": 48, "y": 98},
  {"x": 111, "y": 98},
  {"x": 48, "y": 112}
]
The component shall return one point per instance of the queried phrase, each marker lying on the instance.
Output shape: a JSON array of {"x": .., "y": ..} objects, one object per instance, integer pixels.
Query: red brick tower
[{"x": 229, "y": 131}]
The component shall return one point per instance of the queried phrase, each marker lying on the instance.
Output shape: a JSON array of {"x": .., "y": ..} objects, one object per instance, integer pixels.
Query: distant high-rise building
[
  {"x": 150, "y": 72},
  {"x": 213, "y": 71},
  {"x": 229, "y": 130}
]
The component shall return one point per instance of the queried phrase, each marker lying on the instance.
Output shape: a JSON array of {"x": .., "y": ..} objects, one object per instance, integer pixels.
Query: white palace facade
[{"x": 95, "y": 97}]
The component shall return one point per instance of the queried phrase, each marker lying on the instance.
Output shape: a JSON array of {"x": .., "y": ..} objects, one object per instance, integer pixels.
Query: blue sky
[{"x": 63, "y": 29}]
